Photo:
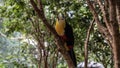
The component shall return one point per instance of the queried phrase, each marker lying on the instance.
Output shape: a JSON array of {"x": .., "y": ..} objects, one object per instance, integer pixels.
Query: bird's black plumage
[
  {"x": 69, "y": 35},
  {"x": 70, "y": 42}
]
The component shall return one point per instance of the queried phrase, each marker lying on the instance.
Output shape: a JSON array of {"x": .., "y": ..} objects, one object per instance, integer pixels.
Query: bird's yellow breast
[{"x": 59, "y": 27}]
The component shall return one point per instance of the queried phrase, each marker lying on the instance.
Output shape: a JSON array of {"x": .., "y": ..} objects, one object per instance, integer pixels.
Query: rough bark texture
[
  {"x": 110, "y": 10},
  {"x": 115, "y": 33},
  {"x": 59, "y": 42},
  {"x": 118, "y": 11}
]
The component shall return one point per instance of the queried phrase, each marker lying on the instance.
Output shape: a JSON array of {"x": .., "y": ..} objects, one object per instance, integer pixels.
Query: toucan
[{"x": 65, "y": 31}]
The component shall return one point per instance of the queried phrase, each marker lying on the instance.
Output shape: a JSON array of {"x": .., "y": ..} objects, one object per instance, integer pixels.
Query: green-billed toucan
[{"x": 65, "y": 31}]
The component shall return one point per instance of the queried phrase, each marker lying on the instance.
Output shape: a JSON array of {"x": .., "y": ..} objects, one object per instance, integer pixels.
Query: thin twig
[{"x": 86, "y": 43}]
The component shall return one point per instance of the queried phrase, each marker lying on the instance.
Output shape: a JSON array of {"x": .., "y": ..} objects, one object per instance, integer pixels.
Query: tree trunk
[
  {"x": 111, "y": 15},
  {"x": 116, "y": 44},
  {"x": 118, "y": 11},
  {"x": 115, "y": 32},
  {"x": 116, "y": 51}
]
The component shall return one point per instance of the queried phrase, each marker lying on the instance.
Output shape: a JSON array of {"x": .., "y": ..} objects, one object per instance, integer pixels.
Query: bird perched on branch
[{"x": 65, "y": 31}]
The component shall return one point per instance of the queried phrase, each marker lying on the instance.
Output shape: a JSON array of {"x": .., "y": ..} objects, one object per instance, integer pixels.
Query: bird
[{"x": 65, "y": 31}]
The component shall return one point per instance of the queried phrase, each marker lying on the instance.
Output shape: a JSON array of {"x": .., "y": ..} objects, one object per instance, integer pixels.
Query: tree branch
[
  {"x": 105, "y": 16},
  {"x": 101, "y": 28},
  {"x": 112, "y": 10},
  {"x": 42, "y": 17},
  {"x": 106, "y": 4},
  {"x": 118, "y": 11},
  {"x": 37, "y": 32},
  {"x": 60, "y": 43},
  {"x": 40, "y": 6},
  {"x": 86, "y": 43}
]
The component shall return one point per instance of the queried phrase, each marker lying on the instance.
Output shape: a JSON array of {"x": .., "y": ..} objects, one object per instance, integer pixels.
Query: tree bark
[
  {"x": 115, "y": 33},
  {"x": 118, "y": 11}
]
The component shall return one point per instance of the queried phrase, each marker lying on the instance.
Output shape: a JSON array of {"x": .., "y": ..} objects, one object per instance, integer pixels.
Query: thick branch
[
  {"x": 39, "y": 4},
  {"x": 104, "y": 12},
  {"x": 42, "y": 17},
  {"x": 60, "y": 43}
]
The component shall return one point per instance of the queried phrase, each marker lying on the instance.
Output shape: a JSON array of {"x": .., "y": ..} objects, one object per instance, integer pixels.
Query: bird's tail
[{"x": 72, "y": 55}]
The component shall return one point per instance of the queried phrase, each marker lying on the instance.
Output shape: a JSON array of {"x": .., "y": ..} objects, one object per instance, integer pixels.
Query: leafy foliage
[{"x": 18, "y": 15}]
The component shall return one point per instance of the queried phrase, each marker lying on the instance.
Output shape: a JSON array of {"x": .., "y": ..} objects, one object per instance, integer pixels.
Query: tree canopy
[{"x": 26, "y": 42}]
